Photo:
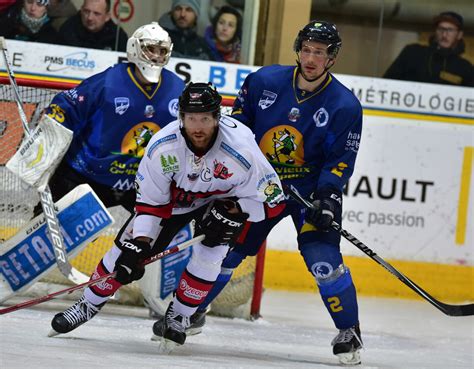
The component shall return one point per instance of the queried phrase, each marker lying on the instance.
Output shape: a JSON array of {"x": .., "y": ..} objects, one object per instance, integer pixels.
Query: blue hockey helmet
[{"x": 320, "y": 31}]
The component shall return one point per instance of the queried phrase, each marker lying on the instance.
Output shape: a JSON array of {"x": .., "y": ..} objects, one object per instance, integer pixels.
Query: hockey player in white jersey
[{"x": 203, "y": 167}]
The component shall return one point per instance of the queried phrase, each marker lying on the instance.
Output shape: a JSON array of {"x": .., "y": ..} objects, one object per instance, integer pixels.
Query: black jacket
[
  {"x": 186, "y": 42},
  {"x": 433, "y": 65},
  {"x": 73, "y": 33},
  {"x": 11, "y": 27}
]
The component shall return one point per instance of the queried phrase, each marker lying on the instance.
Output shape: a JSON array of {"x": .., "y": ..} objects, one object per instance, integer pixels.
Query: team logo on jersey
[
  {"x": 294, "y": 114},
  {"x": 273, "y": 192},
  {"x": 221, "y": 171},
  {"x": 321, "y": 117},
  {"x": 173, "y": 107},
  {"x": 121, "y": 105},
  {"x": 135, "y": 140},
  {"x": 169, "y": 163},
  {"x": 267, "y": 99},
  {"x": 284, "y": 145},
  {"x": 149, "y": 111}
]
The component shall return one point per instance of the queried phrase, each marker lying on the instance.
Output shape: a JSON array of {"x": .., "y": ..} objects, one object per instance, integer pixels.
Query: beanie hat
[
  {"x": 42, "y": 2},
  {"x": 450, "y": 17},
  {"x": 195, "y": 5}
]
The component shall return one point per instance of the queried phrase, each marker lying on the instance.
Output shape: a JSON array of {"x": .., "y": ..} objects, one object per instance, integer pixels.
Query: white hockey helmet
[{"x": 149, "y": 48}]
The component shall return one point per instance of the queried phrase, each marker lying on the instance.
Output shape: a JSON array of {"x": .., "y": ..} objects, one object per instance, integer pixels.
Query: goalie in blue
[
  {"x": 113, "y": 115},
  {"x": 309, "y": 126}
]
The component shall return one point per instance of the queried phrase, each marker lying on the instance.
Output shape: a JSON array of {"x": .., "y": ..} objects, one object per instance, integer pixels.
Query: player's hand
[
  {"x": 129, "y": 265},
  {"x": 222, "y": 224},
  {"x": 326, "y": 204}
]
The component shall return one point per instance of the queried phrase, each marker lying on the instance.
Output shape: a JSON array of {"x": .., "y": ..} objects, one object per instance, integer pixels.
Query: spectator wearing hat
[
  {"x": 93, "y": 27},
  {"x": 28, "y": 21},
  {"x": 440, "y": 61},
  {"x": 180, "y": 23}
]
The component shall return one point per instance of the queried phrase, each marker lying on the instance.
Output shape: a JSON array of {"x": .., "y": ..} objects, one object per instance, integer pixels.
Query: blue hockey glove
[
  {"x": 326, "y": 203},
  {"x": 129, "y": 265}
]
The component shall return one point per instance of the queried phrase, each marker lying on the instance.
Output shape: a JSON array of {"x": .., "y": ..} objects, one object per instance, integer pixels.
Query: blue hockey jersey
[
  {"x": 311, "y": 138},
  {"x": 113, "y": 117}
]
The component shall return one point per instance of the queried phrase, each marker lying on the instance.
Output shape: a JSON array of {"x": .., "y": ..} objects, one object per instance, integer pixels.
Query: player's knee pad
[{"x": 206, "y": 262}]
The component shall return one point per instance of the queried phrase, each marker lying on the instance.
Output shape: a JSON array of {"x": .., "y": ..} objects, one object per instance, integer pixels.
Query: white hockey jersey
[{"x": 172, "y": 180}]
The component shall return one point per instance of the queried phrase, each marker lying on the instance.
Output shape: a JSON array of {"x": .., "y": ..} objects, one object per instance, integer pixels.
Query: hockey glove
[
  {"x": 222, "y": 224},
  {"x": 129, "y": 265},
  {"x": 326, "y": 203}
]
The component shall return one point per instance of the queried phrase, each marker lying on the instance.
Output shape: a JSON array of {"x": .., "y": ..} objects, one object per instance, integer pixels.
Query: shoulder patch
[
  {"x": 240, "y": 159},
  {"x": 169, "y": 138}
]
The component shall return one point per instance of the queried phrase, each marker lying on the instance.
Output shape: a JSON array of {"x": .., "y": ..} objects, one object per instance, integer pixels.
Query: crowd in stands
[{"x": 59, "y": 22}]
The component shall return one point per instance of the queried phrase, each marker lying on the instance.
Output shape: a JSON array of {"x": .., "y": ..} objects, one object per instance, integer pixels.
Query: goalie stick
[
  {"x": 39, "y": 300},
  {"x": 44, "y": 191},
  {"x": 451, "y": 310}
]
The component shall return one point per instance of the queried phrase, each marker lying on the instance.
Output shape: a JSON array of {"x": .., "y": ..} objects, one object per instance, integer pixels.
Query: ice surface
[{"x": 295, "y": 332}]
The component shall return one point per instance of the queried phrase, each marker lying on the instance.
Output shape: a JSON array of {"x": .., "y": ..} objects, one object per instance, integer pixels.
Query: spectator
[
  {"x": 92, "y": 27},
  {"x": 28, "y": 21},
  {"x": 59, "y": 11},
  {"x": 223, "y": 35},
  {"x": 180, "y": 23},
  {"x": 440, "y": 62}
]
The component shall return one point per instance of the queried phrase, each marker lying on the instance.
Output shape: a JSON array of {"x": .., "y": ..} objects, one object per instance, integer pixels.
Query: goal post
[{"x": 240, "y": 298}]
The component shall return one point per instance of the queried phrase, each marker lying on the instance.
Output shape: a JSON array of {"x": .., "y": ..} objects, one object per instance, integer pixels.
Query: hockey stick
[
  {"x": 93, "y": 282},
  {"x": 451, "y": 310},
  {"x": 46, "y": 198}
]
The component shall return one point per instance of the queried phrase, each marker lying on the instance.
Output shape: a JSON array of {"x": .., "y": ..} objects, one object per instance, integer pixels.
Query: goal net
[{"x": 240, "y": 298}]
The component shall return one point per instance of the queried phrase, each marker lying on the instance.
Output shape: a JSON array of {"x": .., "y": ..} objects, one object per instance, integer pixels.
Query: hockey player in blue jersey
[
  {"x": 113, "y": 115},
  {"x": 309, "y": 126}
]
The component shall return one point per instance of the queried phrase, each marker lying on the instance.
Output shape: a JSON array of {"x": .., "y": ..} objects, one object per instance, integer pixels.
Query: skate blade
[
  {"x": 349, "y": 358},
  {"x": 53, "y": 333},
  {"x": 189, "y": 332},
  {"x": 166, "y": 346}
]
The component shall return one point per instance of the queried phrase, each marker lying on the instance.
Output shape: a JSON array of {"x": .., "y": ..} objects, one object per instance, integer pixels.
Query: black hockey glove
[
  {"x": 220, "y": 224},
  {"x": 326, "y": 203},
  {"x": 129, "y": 265}
]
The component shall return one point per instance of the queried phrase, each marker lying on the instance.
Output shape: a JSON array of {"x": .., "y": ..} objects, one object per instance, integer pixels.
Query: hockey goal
[{"x": 240, "y": 298}]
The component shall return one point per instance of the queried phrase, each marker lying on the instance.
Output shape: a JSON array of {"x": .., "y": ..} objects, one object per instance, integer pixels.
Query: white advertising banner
[{"x": 412, "y": 191}]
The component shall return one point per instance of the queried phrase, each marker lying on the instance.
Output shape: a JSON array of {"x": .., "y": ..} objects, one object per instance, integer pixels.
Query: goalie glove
[
  {"x": 222, "y": 224},
  {"x": 326, "y": 203},
  {"x": 129, "y": 265}
]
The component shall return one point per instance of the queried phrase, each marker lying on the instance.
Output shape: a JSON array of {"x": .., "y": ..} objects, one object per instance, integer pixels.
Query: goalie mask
[{"x": 149, "y": 48}]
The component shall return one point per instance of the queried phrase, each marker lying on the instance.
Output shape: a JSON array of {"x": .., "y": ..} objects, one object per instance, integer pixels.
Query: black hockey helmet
[
  {"x": 320, "y": 31},
  {"x": 200, "y": 98}
]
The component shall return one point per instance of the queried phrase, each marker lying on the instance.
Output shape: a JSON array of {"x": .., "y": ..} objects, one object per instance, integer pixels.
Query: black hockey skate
[
  {"x": 196, "y": 322},
  {"x": 79, "y": 313},
  {"x": 347, "y": 345},
  {"x": 172, "y": 330}
]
